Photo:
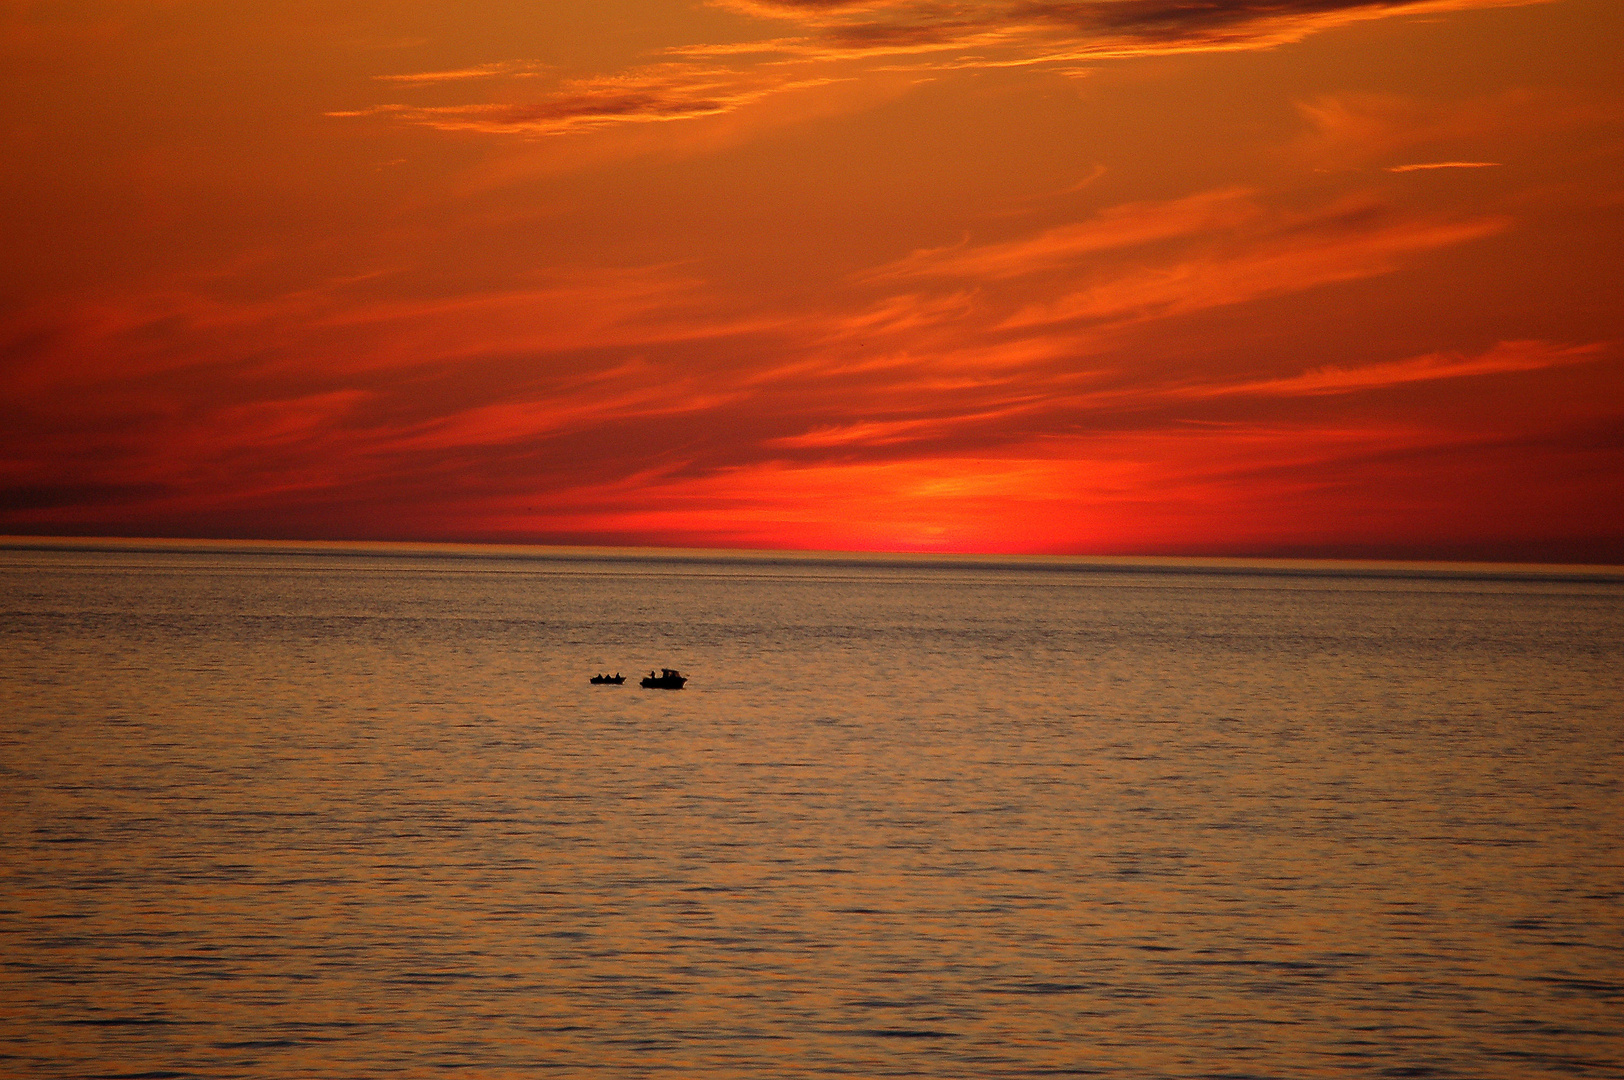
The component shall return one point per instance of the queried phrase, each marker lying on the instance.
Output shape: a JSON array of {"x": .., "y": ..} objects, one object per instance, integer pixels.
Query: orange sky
[{"x": 1324, "y": 277}]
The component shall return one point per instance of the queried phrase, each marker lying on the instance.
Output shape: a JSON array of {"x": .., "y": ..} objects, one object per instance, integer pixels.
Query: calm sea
[{"x": 347, "y": 814}]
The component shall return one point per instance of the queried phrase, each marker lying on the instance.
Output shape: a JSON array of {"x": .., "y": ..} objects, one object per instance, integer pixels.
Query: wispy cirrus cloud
[
  {"x": 1006, "y": 340},
  {"x": 1504, "y": 358},
  {"x": 505, "y": 68},
  {"x": 1364, "y": 130},
  {"x": 1152, "y": 260},
  {"x": 1425, "y": 165},
  {"x": 521, "y": 413},
  {"x": 1000, "y": 413},
  {"x": 841, "y": 41},
  {"x": 1273, "y": 266},
  {"x": 312, "y": 396},
  {"x": 1051, "y": 31},
  {"x": 651, "y": 94},
  {"x": 1126, "y": 226}
]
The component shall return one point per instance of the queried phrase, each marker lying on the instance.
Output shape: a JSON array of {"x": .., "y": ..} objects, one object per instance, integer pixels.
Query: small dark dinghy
[
  {"x": 612, "y": 680},
  {"x": 665, "y": 680}
]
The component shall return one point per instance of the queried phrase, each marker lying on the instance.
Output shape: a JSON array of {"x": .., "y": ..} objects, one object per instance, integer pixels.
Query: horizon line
[{"x": 1285, "y": 565}]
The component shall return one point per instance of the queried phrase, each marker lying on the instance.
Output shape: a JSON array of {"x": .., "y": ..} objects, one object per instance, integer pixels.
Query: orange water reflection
[{"x": 348, "y": 819}]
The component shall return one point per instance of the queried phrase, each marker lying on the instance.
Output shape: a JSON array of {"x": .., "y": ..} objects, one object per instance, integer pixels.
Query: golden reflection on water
[{"x": 280, "y": 816}]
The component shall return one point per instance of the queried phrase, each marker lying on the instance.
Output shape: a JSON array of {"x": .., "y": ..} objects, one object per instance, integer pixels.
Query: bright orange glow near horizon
[{"x": 1311, "y": 277}]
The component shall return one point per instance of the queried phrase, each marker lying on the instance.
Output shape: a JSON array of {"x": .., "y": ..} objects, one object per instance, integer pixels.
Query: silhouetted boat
[
  {"x": 613, "y": 680},
  {"x": 665, "y": 680}
]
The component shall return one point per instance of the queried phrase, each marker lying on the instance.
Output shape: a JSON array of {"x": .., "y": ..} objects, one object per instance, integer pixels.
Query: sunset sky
[{"x": 1317, "y": 277}]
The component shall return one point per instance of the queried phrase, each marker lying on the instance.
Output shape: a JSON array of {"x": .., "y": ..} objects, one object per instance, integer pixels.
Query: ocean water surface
[{"x": 351, "y": 813}]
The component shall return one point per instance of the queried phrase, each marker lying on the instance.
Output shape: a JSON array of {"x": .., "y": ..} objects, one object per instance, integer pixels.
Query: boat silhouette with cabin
[{"x": 667, "y": 679}]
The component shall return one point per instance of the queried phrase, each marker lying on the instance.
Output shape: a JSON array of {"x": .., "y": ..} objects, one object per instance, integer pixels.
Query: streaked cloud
[
  {"x": 648, "y": 370},
  {"x": 1504, "y": 358},
  {"x": 1206, "y": 250},
  {"x": 1127, "y": 226},
  {"x": 1271, "y": 267},
  {"x": 509, "y": 68},
  {"x": 651, "y": 94},
  {"x": 843, "y": 40},
  {"x": 1361, "y": 130},
  {"x": 1028, "y": 32},
  {"x": 1444, "y": 165}
]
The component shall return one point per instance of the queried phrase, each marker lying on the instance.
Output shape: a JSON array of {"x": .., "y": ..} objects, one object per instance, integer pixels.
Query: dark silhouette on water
[
  {"x": 613, "y": 680},
  {"x": 665, "y": 680}
]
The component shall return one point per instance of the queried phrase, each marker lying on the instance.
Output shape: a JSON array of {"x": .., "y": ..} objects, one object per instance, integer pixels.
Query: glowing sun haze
[{"x": 1321, "y": 277}]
